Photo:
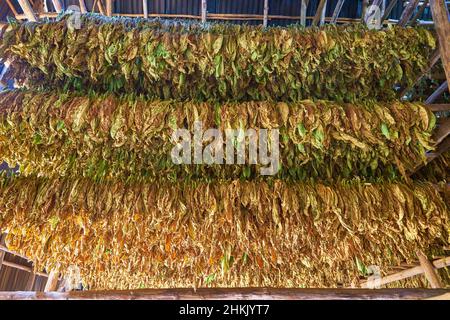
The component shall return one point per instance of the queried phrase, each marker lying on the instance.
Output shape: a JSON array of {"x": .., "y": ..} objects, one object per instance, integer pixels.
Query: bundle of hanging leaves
[
  {"x": 218, "y": 61},
  {"x": 275, "y": 234},
  {"x": 103, "y": 136},
  {"x": 436, "y": 171}
]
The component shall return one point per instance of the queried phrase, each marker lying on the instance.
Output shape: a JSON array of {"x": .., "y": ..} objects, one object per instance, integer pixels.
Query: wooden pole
[
  {"x": 318, "y": 15},
  {"x": 83, "y": 7},
  {"x": 442, "y": 26},
  {"x": 266, "y": 13},
  {"x": 439, "y": 107},
  {"x": 145, "y": 8},
  {"x": 304, "y": 7},
  {"x": 408, "y": 12},
  {"x": 231, "y": 294},
  {"x": 437, "y": 93},
  {"x": 58, "y": 5},
  {"x": 101, "y": 8},
  {"x": 443, "y": 130},
  {"x": 388, "y": 10},
  {"x": 337, "y": 11},
  {"x": 52, "y": 281},
  {"x": 365, "y": 4},
  {"x": 438, "y": 264},
  {"x": 419, "y": 13},
  {"x": 322, "y": 16},
  {"x": 204, "y": 8},
  {"x": 429, "y": 271},
  {"x": 27, "y": 10},
  {"x": 13, "y": 9},
  {"x": 109, "y": 8}
]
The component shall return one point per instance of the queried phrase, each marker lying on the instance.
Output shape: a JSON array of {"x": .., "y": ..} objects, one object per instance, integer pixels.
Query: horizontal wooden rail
[
  {"x": 439, "y": 107},
  {"x": 438, "y": 264},
  {"x": 232, "y": 294},
  {"x": 23, "y": 268}
]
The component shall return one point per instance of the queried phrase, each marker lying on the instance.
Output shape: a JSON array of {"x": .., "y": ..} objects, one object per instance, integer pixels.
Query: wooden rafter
[
  {"x": 419, "y": 13},
  {"x": 83, "y": 7},
  {"x": 233, "y": 294},
  {"x": 27, "y": 10},
  {"x": 442, "y": 26},
  {"x": 57, "y": 5},
  {"x": 429, "y": 271},
  {"x": 388, "y": 10},
  {"x": 109, "y": 8},
  {"x": 443, "y": 130},
  {"x": 11, "y": 6},
  {"x": 337, "y": 11},
  {"x": 437, "y": 93},
  {"x": 404, "y": 274},
  {"x": 408, "y": 12},
  {"x": 439, "y": 107},
  {"x": 319, "y": 11},
  {"x": 204, "y": 10},
  {"x": 266, "y": 13}
]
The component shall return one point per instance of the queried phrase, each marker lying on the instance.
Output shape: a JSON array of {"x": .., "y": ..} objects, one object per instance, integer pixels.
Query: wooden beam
[
  {"x": 439, "y": 107},
  {"x": 58, "y": 5},
  {"x": 388, "y": 10},
  {"x": 145, "y": 8},
  {"x": 437, "y": 93},
  {"x": 2, "y": 258},
  {"x": 13, "y": 9},
  {"x": 324, "y": 11},
  {"x": 303, "y": 8},
  {"x": 442, "y": 131},
  {"x": 109, "y": 8},
  {"x": 408, "y": 12},
  {"x": 83, "y": 7},
  {"x": 101, "y": 7},
  {"x": 337, "y": 11},
  {"x": 443, "y": 147},
  {"x": 52, "y": 281},
  {"x": 204, "y": 10},
  {"x": 442, "y": 26},
  {"x": 438, "y": 264},
  {"x": 27, "y": 10},
  {"x": 266, "y": 13},
  {"x": 232, "y": 294},
  {"x": 365, "y": 4},
  {"x": 429, "y": 271},
  {"x": 419, "y": 13},
  {"x": 318, "y": 14}
]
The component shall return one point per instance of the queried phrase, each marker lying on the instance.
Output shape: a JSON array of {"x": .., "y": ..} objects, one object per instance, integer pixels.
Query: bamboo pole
[
  {"x": 204, "y": 9},
  {"x": 58, "y": 5},
  {"x": 145, "y": 8},
  {"x": 83, "y": 7},
  {"x": 429, "y": 271},
  {"x": 318, "y": 14},
  {"x": 101, "y": 8},
  {"x": 322, "y": 16},
  {"x": 232, "y": 294},
  {"x": 408, "y": 12},
  {"x": 109, "y": 8},
  {"x": 266, "y": 13},
  {"x": 442, "y": 26},
  {"x": 337, "y": 11},
  {"x": 419, "y": 13},
  {"x": 304, "y": 7},
  {"x": 438, "y": 264},
  {"x": 27, "y": 10}
]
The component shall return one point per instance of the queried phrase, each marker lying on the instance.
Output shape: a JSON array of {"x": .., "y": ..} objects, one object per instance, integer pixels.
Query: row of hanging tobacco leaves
[
  {"x": 130, "y": 138},
  {"x": 220, "y": 62},
  {"x": 97, "y": 188}
]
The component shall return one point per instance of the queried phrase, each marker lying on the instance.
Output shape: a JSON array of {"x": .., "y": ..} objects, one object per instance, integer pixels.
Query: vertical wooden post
[
  {"x": 419, "y": 13},
  {"x": 27, "y": 10},
  {"x": 2, "y": 253},
  {"x": 408, "y": 12},
  {"x": 266, "y": 13},
  {"x": 83, "y": 7},
  {"x": 109, "y": 8},
  {"x": 52, "y": 281},
  {"x": 304, "y": 7},
  {"x": 145, "y": 8},
  {"x": 442, "y": 26},
  {"x": 204, "y": 8},
  {"x": 30, "y": 283},
  {"x": 365, "y": 4},
  {"x": 429, "y": 271},
  {"x": 58, "y": 5},
  {"x": 318, "y": 14},
  {"x": 337, "y": 11}
]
